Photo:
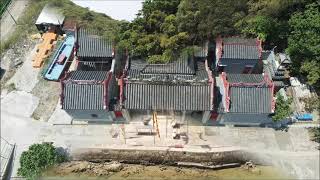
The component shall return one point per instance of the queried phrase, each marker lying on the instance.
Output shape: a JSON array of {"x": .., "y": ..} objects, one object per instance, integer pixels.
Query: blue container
[
  {"x": 58, "y": 65},
  {"x": 304, "y": 117}
]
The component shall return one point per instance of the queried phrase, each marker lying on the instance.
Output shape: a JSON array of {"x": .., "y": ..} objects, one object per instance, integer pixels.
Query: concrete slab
[
  {"x": 60, "y": 117},
  {"x": 16, "y": 125},
  {"x": 19, "y": 104}
]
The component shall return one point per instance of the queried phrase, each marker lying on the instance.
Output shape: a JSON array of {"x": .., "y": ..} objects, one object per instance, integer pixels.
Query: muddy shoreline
[
  {"x": 213, "y": 160},
  {"x": 162, "y": 164},
  {"x": 116, "y": 170}
]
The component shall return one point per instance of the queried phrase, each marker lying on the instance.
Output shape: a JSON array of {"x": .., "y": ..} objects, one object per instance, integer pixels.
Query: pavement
[{"x": 292, "y": 151}]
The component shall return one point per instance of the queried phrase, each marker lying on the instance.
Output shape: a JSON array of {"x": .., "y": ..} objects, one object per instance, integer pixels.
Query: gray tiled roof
[
  {"x": 200, "y": 75},
  {"x": 183, "y": 65},
  {"x": 92, "y": 45},
  {"x": 238, "y": 51},
  {"x": 179, "y": 70},
  {"x": 250, "y": 99},
  {"x": 83, "y": 96},
  {"x": 202, "y": 51},
  {"x": 245, "y": 78},
  {"x": 240, "y": 40},
  {"x": 88, "y": 75},
  {"x": 175, "y": 86},
  {"x": 167, "y": 97}
]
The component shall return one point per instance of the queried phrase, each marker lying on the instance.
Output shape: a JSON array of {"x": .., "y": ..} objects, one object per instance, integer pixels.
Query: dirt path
[
  {"x": 48, "y": 94},
  {"x": 8, "y": 25}
]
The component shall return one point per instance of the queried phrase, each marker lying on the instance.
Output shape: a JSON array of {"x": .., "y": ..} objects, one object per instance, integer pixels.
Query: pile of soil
[{"x": 87, "y": 168}]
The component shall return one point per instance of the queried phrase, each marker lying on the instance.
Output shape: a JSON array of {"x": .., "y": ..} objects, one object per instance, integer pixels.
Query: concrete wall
[
  {"x": 245, "y": 119},
  {"x": 88, "y": 115}
]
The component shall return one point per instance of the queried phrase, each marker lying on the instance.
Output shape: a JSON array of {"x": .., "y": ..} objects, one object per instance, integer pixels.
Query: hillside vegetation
[{"x": 164, "y": 27}]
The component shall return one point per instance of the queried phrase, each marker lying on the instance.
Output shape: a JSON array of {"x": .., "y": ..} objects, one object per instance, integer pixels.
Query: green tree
[
  {"x": 315, "y": 134},
  {"x": 153, "y": 34},
  {"x": 269, "y": 20},
  {"x": 283, "y": 109},
  {"x": 261, "y": 26},
  {"x": 37, "y": 158},
  {"x": 303, "y": 43},
  {"x": 206, "y": 19}
]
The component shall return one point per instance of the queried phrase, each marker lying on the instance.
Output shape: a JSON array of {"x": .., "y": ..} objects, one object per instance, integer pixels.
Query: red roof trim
[
  {"x": 105, "y": 92},
  {"x": 226, "y": 90},
  {"x": 211, "y": 81}
]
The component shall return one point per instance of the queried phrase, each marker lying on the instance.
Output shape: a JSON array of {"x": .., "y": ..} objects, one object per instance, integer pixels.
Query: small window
[{"x": 94, "y": 115}]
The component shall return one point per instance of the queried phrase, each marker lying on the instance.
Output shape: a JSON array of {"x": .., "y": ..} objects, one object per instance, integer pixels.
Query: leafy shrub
[
  {"x": 11, "y": 87},
  {"x": 283, "y": 109},
  {"x": 37, "y": 158},
  {"x": 311, "y": 103},
  {"x": 316, "y": 134}
]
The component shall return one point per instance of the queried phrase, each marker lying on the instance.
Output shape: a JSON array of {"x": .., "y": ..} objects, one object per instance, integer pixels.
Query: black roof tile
[
  {"x": 88, "y": 75},
  {"x": 167, "y": 97},
  {"x": 182, "y": 69},
  {"x": 92, "y": 45},
  {"x": 239, "y": 51},
  {"x": 240, "y": 40},
  {"x": 250, "y": 99},
  {"x": 183, "y": 65},
  {"x": 245, "y": 78},
  {"x": 202, "y": 50},
  {"x": 83, "y": 96}
]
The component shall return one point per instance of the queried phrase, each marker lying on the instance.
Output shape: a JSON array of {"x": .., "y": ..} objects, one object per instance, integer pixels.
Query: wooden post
[{"x": 123, "y": 130}]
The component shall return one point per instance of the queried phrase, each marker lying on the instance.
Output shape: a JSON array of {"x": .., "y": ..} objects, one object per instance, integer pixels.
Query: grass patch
[
  {"x": 25, "y": 25},
  {"x": 315, "y": 132},
  {"x": 105, "y": 25},
  {"x": 11, "y": 87}
]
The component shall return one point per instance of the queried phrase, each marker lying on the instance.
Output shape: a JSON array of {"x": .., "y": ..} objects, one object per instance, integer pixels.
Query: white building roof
[{"x": 50, "y": 15}]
